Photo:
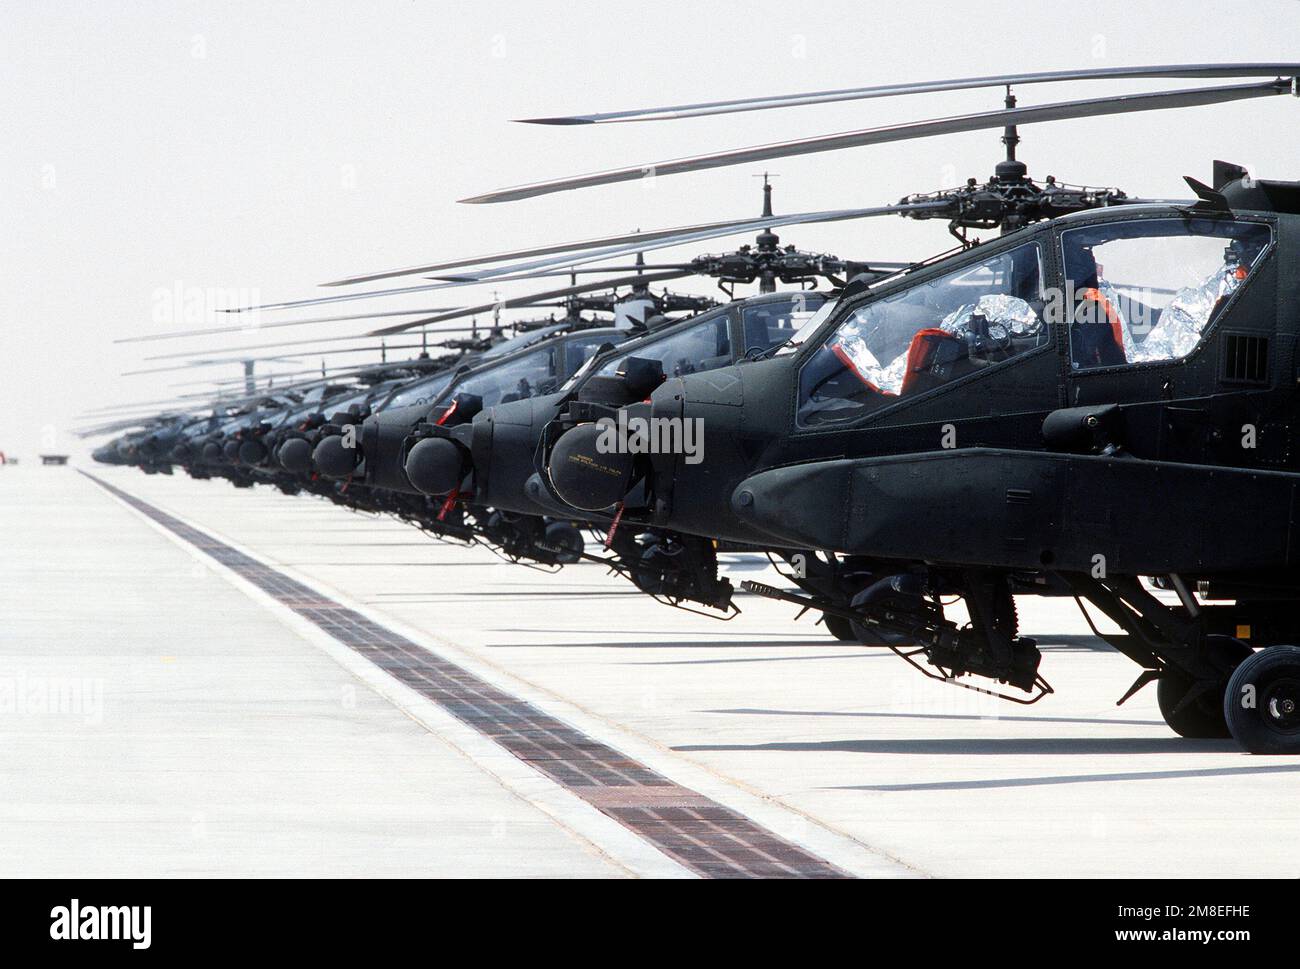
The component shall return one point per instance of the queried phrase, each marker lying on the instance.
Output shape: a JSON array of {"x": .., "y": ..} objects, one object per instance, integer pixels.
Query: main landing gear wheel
[
  {"x": 1202, "y": 717},
  {"x": 1262, "y": 702},
  {"x": 566, "y": 541},
  {"x": 653, "y": 571}
]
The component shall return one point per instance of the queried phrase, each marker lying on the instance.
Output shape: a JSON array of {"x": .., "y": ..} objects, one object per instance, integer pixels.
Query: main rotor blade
[
  {"x": 257, "y": 379},
  {"x": 520, "y": 271},
  {"x": 924, "y": 87},
  {"x": 297, "y": 357},
  {"x": 115, "y": 409},
  {"x": 207, "y": 363},
  {"x": 339, "y": 369},
  {"x": 109, "y": 428},
  {"x": 284, "y": 357},
  {"x": 166, "y": 402},
  {"x": 246, "y": 328},
  {"x": 189, "y": 354},
  {"x": 591, "y": 270},
  {"x": 546, "y": 250},
  {"x": 1064, "y": 110},
  {"x": 535, "y": 298},
  {"x": 312, "y": 342},
  {"x": 266, "y": 383},
  {"x": 225, "y": 402}
]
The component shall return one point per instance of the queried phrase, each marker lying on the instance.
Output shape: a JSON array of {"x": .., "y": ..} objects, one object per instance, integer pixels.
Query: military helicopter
[
  {"x": 369, "y": 453},
  {"x": 433, "y": 456},
  {"x": 489, "y": 459},
  {"x": 367, "y": 382},
  {"x": 1089, "y": 401},
  {"x": 263, "y": 438}
]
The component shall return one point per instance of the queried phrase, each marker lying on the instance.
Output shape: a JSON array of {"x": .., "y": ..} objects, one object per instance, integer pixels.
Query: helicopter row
[
  {"x": 1097, "y": 403},
  {"x": 360, "y": 443}
]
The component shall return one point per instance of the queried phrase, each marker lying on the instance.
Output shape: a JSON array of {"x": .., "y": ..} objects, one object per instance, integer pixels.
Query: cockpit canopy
[
  {"x": 913, "y": 340},
  {"x": 706, "y": 342},
  {"x": 1133, "y": 291}
]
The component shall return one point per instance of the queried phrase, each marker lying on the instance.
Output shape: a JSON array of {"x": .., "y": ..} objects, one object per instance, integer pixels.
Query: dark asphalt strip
[{"x": 704, "y": 836}]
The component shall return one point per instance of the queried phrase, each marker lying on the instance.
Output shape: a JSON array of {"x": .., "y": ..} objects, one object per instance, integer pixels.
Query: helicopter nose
[
  {"x": 212, "y": 453},
  {"x": 433, "y": 466},
  {"x": 230, "y": 451},
  {"x": 585, "y": 474},
  {"x": 333, "y": 459},
  {"x": 252, "y": 451},
  {"x": 294, "y": 455},
  {"x": 182, "y": 453}
]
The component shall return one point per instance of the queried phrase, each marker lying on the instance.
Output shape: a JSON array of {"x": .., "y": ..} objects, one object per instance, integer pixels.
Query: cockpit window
[
  {"x": 773, "y": 322},
  {"x": 580, "y": 374},
  {"x": 336, "y": 406},
  {"x": 423, "y": 391},
  {"x": 578, "y": 350},
  {"x": 704, "y": 346},
  {"x": 806, "y": 329},
  {"x": 915, "y": 340},
  {"x": 1147, "y": 291},
  {"x": 525, "y": 376}
]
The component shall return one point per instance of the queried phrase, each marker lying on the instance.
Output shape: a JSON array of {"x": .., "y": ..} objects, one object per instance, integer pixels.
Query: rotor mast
[{"x": 767, "y": 239}]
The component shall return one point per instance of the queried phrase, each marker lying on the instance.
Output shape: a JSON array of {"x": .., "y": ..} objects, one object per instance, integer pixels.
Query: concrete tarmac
[{"x": 216, "y": 737}]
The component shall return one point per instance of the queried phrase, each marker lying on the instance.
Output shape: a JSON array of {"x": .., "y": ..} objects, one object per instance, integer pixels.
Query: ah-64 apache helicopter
[
  {"x": 1103, "y": 396},
  {"x": 290, "y": 438},
  {"x": 483, "y": 469},
  {"x": 391, "y": 435}
]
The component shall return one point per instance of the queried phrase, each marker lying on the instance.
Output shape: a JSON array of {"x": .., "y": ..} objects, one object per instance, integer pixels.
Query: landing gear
[
  {"x": 1192, "y": 707},
  {"x": 675, "y": 569},
  {"x": 1262, "y": 702},
  {"x": 903, "y": 612},
  {"x": 532, "y": 539},
  {"x": 840, "y": 628},
  {"x": 566, "y": 541}
]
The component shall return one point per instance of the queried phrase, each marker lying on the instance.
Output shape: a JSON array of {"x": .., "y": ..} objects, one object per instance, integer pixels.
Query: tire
[
  {"x": 840, "y": 628},
  {"x": 567, "y": 542},
  {"x": 651, "y": 570},
  {"x": 1262, "y": 703},
  {"x": 1203, "y": 718}
]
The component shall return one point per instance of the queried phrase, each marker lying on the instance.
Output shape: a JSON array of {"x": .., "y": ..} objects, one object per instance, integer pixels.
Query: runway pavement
[{"x": 208, "y": 728}]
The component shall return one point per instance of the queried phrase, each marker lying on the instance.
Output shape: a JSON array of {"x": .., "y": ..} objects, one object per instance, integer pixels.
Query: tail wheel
[
  {"x": 1262, "y": 703},
  {"x": 1198, "y": 719},
  {"x": 840, "y": 628},
  {"x": 1202, "y": 716}
]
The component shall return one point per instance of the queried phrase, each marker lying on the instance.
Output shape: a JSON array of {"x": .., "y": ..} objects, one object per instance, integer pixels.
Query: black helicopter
[
  {"x": 275, "y": 447},
  {"x": 432, "y": 454},
  {"x": 276, "y": 439},
  {"x": 368, "y": 452},
  {"x": 1090, "y": 400},
  {"x": 296, "y": 411},
  {"x": 488, "y": 459}
]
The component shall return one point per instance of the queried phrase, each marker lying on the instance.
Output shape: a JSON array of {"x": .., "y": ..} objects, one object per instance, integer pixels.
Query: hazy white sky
[{"x": 262, "y": 148}]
